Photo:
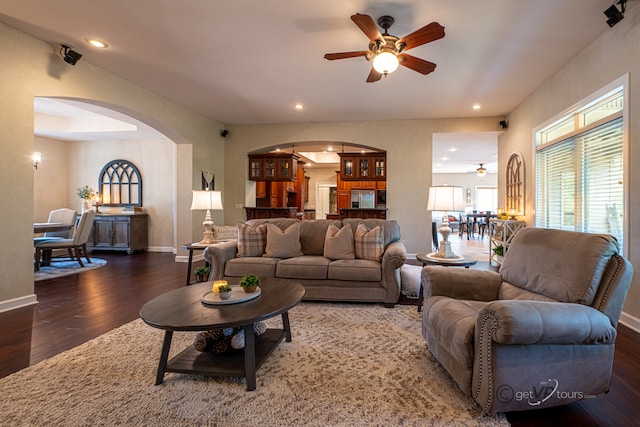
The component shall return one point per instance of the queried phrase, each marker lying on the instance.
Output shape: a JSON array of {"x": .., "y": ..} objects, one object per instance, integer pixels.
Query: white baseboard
[
  {"x": 630, "y": 321},
  {"x": 20, "y": 302},
  {"x": 161, "y": 249}
]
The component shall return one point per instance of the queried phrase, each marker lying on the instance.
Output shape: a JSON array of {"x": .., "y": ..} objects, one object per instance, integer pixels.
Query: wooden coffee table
[{"x": 183, "y": 310}]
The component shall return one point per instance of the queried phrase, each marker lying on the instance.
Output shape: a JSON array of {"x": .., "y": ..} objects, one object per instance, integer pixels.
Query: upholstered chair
[
  {"x": 540, "y": 332},
  {"x": 63, "y": 216},
  {"x": 77, "y": 246}
]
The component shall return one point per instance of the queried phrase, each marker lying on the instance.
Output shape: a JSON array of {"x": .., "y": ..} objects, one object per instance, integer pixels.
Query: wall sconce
[{"x": 37, "y": 157}]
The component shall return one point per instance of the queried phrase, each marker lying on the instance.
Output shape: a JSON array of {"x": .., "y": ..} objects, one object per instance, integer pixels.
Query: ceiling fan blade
[
  {"x": 344, "y": 55},
  {"x": 416, "y": 64},
  {"x": 374, "y": 76},
  {"x": 368, "y": 26},
  {"x": 426, "y": 34}
]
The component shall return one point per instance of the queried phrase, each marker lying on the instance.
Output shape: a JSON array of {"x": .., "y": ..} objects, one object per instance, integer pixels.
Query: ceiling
[{"x": 249, "y": 62}]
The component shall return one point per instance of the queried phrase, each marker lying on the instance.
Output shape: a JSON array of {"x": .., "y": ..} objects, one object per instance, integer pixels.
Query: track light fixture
[
  {"x": 613, "y": 14},
  {"x": 69, "y": 55}
]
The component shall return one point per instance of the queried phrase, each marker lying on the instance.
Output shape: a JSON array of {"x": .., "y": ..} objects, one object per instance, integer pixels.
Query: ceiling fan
[{"x": 387, "y": 51}]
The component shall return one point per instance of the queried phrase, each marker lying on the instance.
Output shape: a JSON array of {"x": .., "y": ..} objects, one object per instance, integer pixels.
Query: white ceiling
[{"x": 247, "y": 61}]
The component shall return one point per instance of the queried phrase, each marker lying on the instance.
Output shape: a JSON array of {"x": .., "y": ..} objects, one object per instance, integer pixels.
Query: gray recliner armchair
[{"x": 539, "y": 333}]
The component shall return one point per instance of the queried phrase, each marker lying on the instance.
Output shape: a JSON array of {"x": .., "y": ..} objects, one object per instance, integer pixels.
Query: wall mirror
[
  {"x": 120, "y": 184},
  {"x": 515, "y": 184}
]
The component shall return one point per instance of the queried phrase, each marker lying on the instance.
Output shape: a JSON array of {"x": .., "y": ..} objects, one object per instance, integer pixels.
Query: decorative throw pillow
[
  {"x": 283, "y": 244},
  {"x": 369, "y": 243},
  {"x": 251, "y": 240},
  {"x": 338, "y": 242}
]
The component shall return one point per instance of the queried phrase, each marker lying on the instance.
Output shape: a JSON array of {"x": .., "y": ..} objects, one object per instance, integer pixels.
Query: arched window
[{"x": 120, "y": 184}]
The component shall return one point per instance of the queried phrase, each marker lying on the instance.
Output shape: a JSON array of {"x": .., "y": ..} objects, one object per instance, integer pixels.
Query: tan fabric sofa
[
  {"x": 363, "y": 280},
  {"x": 539, "y": 333}
]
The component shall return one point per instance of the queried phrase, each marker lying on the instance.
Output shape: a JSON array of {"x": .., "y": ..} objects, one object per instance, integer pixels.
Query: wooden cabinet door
[
  {"x": 102, "y": 233},
  {"x": 261, "y": 189},
  {"x": 344, "y": 199},
  {"x": 255, "y": 169},
  {"x": 120, "y": 233},
  {"x": 379, "y": 167}
]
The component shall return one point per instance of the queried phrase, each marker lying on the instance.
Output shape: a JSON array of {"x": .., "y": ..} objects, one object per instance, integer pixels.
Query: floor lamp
[
  {"x": 445, "y": 198},
  {"x": 207, "y": 200}
]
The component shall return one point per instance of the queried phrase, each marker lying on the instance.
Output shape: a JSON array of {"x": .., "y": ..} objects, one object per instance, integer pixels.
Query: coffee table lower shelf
[{"x": 230, "y": 364}]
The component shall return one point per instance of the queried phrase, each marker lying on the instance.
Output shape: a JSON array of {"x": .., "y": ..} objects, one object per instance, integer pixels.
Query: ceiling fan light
[
  {"x": 481, "y": 171},
  {"x": 385, "y": 63}
]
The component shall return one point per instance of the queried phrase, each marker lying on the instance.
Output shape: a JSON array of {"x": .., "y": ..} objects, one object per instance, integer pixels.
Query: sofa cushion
[
  {"x": 358, "y": 270},
  {"x": 369, "y": 244},
  {"x": 303, "y": 267},
  {"x": 251, "y": 240},
  {"x": 338, "y": 243},
  {"x": 312, "y": 235},
  {"x": 283, "y": 244},
  {"x": 391, "y": 227},
  {"x": 260, "y": 266}
]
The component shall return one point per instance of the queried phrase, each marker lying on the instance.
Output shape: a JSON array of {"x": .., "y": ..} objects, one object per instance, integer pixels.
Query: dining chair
[
  {"x": 77, "y": 246},
  {"x": 63, "y": 216}
]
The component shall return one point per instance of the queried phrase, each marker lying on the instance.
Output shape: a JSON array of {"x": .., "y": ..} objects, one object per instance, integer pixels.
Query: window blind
[{"x": 579, "y": 182}]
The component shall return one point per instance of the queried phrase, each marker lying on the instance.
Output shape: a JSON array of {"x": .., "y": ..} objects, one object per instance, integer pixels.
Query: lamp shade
[
  {"x": 445, "y": 198},
  {"x": 385, "y": 63},
  {"x": 205, "y": 200}
]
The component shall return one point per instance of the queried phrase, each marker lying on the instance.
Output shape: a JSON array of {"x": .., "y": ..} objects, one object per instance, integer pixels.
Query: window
[
  {"x": 486, "y": 199},
  {"x": 580, "y": 173}
]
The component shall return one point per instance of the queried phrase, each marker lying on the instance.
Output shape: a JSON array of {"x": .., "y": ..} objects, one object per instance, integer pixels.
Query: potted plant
[
  {"x": 85, "y": 193},
  {"x": 202, "y": 274},
  {"x": 249, "y": 283},
  {"x": 224, "y": 291},
  {"x": 499, "y": 250}
]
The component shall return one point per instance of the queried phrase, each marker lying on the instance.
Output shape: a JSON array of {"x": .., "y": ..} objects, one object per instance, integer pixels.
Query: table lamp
[
  {"x": 207, "y": 200},
  {"x": 445, "y": 198}
]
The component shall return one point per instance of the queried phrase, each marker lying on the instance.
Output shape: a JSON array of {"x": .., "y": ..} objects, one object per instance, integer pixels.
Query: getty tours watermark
[{"x": 538, "y": 394}]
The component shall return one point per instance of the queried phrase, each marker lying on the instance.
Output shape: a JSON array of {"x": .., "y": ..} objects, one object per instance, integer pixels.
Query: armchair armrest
[
  {"x": 460, "y": 283},
  {"x": 217, "y": 256},
  {"x": 542, "y": 322},
  {"x": 393, "y": 257}
]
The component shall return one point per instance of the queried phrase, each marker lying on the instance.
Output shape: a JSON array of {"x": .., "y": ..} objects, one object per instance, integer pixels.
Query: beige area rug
[
  {"x": 348, "y": 365},
  {"x": 65, "y": 267}
]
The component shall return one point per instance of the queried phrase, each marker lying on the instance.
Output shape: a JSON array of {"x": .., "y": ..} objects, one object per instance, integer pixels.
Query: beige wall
[
  {"x": 408, "y": 146},
  {"x": 611, "y": 56},
  {"x": 32, "y": 68},
  {"x": 68, "y": 165}
]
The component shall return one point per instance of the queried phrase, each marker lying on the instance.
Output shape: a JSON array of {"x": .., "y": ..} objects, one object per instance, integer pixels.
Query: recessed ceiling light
[
  {"x": 476, "y": 106},
  {"x": 445, "y": 158},
  {"x": 97, "y": 43},
  {"x": 298, "y": 106},
  {"x": 330, "y": 148}
]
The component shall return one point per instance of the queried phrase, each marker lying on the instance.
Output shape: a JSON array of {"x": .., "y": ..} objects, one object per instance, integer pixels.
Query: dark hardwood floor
[{"x": 75, "y": 309}]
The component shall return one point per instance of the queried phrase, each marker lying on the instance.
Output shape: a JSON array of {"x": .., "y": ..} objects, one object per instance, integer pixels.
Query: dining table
[
  {"x": 49, "y": 227},
  {"x": 476, "y": 218}
]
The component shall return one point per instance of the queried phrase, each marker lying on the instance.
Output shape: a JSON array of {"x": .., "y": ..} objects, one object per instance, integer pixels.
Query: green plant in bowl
[
  {"x": 249, "y": 283},
  {"x": 224, "y": 291}
]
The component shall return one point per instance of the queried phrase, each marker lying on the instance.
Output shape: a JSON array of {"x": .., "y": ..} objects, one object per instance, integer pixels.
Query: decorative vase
[
  {"x": 224, "y": 295},
  {"x": 86, "y": 205},
  {"x": 250, "y": 289}
]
